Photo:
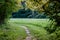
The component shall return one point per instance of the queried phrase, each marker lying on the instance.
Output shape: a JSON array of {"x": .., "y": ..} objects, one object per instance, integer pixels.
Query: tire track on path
[{"x": 29, "y": 36}]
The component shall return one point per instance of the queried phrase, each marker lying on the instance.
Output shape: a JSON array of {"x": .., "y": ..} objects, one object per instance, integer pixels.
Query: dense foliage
[
  {"x": 51, "y": 7},
  {"x": 6, "y": 8},
  {"x": 25, "y": 12},
  {"x": 28, "y": 13},
  {"x": 53, "y": 10}
]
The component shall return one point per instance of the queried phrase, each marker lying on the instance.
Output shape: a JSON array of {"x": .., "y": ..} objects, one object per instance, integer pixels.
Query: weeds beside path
[{"x": 29, "y": 36}]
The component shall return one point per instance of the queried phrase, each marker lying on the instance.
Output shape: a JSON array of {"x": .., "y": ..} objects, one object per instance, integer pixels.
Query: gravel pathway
[{"x": 29, "y": 36}]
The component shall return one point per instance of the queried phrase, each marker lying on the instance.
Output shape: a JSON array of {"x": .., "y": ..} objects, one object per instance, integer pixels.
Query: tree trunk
[{"x": 2, "y": 13}]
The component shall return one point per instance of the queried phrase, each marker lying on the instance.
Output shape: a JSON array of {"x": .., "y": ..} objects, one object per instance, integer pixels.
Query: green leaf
[{"x": 2, "y": 1}]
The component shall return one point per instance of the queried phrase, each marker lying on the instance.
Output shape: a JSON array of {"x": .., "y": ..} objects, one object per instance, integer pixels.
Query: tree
[
  {"x": 53, "y": 10},
  {"x": 50, "y": 7},
  {"x": 6, "y": 8}
]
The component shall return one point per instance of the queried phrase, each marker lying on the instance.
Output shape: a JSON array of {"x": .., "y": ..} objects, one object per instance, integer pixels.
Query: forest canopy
[{"x": 50, "y": 7}]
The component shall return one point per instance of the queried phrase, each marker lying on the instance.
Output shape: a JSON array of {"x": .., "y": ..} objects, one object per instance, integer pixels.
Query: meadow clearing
[
  {"x": 19, "y": 29},
  {"x": 36, "y": 27}
]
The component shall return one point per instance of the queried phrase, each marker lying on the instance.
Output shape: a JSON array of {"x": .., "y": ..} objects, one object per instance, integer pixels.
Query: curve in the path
[{"x": 29, "y": 36}]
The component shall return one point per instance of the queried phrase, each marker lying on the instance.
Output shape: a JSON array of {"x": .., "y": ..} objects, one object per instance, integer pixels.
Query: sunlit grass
[
  {"x": 36, "y": 22},
  {"x": 38, "y": 32},
  {"x": 36, "y": 27},
  {"x": 12, "y": 32}
]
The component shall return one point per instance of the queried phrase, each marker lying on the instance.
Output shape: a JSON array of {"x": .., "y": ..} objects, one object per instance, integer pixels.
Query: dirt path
[{"x": 29, "y": 36}]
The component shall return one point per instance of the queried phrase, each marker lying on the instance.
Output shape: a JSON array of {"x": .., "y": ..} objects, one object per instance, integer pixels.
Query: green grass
[
  {"x": 36, "y": 22},
  {"x": 36, "y": 27},
  {"x": 38, "y": 32},
  {"x": 12, "y": 32}
]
